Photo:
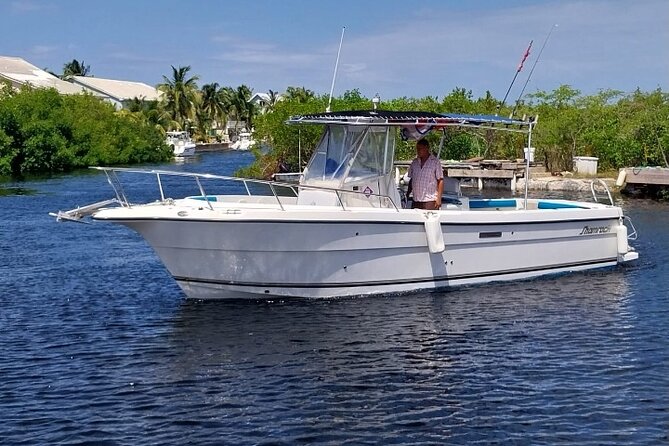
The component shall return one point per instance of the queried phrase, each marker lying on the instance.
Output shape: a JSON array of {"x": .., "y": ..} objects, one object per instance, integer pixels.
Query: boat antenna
[
  {"x": 520, "y": 67},
  {"x": 299, "y": 150},
  {"x": 334, "y": 76},
  {"x": 515, "y": 107}
]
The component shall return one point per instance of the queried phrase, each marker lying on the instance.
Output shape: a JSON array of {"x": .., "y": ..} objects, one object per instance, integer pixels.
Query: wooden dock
[
  {"x": 481, "y": 170},
  {"x": 647, "y": 176}
]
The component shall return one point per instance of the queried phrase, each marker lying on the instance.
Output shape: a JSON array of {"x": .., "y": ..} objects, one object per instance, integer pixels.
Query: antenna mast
[{"x": 334, "y": 76}]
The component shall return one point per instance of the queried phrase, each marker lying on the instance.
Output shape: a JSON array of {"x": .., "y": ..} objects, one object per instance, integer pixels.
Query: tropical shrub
[{"x": 43, "y": 131}]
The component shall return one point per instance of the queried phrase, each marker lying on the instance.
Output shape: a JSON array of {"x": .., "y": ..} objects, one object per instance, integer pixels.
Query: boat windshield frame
[
  {"x": 177, "y": 136},
  {"x": 416, "y": 124}
]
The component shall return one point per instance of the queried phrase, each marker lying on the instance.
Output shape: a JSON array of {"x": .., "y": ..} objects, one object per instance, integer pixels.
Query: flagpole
[{"x": 520, "y": 67}]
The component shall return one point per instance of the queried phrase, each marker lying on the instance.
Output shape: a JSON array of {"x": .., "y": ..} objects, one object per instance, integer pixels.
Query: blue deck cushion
[
  {"x": 207, "y": 198},
  {"x": 556, "y": 205},
  {"x": 482, "y": 204}
]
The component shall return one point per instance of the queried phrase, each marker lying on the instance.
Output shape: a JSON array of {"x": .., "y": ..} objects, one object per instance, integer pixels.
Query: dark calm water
[{"x": 99, "y": 346}]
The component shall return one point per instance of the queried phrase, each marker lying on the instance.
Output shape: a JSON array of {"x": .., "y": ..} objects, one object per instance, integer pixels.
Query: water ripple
[{"x": 99, "y": 346}]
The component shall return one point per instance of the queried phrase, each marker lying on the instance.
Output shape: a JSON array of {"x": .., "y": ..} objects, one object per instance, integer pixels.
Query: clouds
[
  {"x": 27, "y": 6},
  {"x": 41, "y": 50},
  {"x": 597, "y": 45},
  {"x": 266, "y": 63},
  {"x": 428, "y": 48}
]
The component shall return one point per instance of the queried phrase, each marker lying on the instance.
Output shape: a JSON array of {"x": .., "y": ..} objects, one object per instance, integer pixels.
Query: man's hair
[{"x": 423, "y": 142}]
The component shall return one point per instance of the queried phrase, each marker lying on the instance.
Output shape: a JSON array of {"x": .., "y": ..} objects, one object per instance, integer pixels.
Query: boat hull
[
  {"x": 244, "y": 254},
  {"x": 184, "y": 150}
]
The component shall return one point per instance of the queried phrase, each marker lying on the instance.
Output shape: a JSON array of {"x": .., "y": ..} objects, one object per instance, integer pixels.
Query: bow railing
[{"x": 116, "y": 184}]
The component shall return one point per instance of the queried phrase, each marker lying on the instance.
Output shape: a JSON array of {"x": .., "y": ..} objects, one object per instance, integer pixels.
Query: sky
[{"x": 392, "y": 48}]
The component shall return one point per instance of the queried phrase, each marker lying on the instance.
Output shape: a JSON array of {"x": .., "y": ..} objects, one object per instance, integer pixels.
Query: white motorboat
[
  {"x": 243, "y": 143},
  {"x": 343, "y": 230},
  {"x": 180, "y": 143}
]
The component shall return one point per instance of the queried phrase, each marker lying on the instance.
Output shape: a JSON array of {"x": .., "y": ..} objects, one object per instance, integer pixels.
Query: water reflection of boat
[
  {"x": 220, "y": 333},
  {"x": 180, "y": 143},
  {"x": 182, "y": 160},
  {"x": 344, "y": 229}
]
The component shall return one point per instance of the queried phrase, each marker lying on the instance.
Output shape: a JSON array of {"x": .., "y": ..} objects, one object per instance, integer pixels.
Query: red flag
[{"x": 527, "y": 53}]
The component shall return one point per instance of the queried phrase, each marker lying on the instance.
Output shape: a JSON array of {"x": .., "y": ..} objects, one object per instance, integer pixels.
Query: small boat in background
[
  {"x": 243, "y": 143},
  {"x": 180, "y": 143}
]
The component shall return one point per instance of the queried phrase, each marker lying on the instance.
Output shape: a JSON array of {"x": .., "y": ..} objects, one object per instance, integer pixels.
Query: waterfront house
[
  {"x": 119, "y": 93},
  {"x": 19, "y": 72},
  {"x": 262, "y": 101}
]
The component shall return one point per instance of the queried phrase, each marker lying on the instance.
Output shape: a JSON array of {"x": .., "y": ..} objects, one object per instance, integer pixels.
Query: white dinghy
[{"x": 343, "y": 230}]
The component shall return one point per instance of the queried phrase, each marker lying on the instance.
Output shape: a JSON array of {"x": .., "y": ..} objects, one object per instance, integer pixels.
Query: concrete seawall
[
  {"x": 545, "y": 183},
  {"x": 562, "y": 184},
  {"x": 212, "y": 147}
]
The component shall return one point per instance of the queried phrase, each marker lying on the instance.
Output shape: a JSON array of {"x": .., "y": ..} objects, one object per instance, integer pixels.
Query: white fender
[
  {"x": 621, "y": 233},
  {"x": 620, "y": 182},
  {"x": 435, "y": 238}
]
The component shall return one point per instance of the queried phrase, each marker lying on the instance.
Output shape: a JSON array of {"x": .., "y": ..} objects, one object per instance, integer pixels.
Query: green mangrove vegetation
[
  {"x": 620, "y": 129},
  {"x": 42, "y": 131}
]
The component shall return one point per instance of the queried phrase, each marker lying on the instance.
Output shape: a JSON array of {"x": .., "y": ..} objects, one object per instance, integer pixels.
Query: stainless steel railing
[
  {"x": 600, "y": 182},
  {"x": 115, "y": 182}
]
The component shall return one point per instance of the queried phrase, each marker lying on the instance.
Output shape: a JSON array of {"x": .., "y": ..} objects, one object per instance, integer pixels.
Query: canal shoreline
[{"x": 566, "y": 184}]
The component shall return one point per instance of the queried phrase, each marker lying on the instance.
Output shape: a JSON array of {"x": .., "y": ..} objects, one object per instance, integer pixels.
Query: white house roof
[
  {"x": 19, "y": 72},
  {"x": 263, "y": 98},
  {"x": 118, "y": 90},
  {"x": 259, "y": 97}
]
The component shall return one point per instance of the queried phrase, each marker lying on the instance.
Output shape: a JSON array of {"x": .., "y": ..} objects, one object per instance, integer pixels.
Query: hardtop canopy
[{"x": 426, "y": 120}]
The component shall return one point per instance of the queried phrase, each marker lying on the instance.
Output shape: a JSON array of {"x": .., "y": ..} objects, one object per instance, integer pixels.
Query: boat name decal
[{"x": 595, "y": 230}]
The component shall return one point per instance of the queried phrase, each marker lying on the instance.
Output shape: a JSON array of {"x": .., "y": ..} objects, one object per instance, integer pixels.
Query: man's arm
[{"x": 440, "y": 191}]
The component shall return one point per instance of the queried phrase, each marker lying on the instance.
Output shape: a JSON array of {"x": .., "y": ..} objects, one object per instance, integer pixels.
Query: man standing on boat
[{"x": 426, "y": 178}]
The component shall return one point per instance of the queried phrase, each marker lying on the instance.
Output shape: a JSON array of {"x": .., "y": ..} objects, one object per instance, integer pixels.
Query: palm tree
[
  {"x": 75, "y": 68},
  {"x": 150, "y": 113},
  {"x": 214, "y": 104},
  {"x": 203, "y": 122},
  {"x": 242, "y": 108},
  {"x": 299, "y": 94},
  {"x": 179, "y": 95},
  {"x": 272, "y": 98}
]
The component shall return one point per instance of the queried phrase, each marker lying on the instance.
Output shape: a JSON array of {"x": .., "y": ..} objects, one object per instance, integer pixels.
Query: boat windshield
[
  {"x": 179, "y": 136},
  {"x": 374, "y": 157},
  {"x": 351, "y": 151}
]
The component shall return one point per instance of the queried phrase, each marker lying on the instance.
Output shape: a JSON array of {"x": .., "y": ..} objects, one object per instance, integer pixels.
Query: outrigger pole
[
  {"x": 520, "y": 67},
  {"x": 532, "y": 70},
  {"x": 334, "y": 76}
]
